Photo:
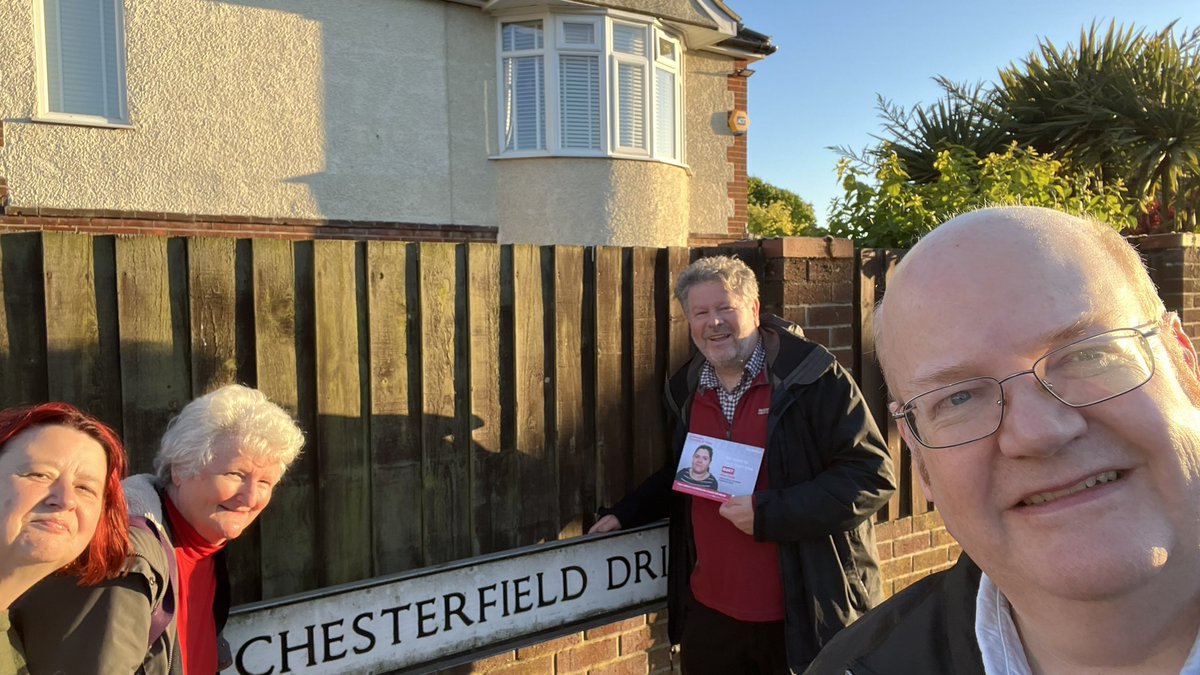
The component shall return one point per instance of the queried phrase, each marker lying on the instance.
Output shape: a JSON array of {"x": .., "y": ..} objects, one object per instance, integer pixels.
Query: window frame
[
  {"x": 596, "y": 48},
  {"x": 675, "y": 67},
  {"x": 502, "y": 94},
  {"x": 649, "y": 108},
  {"x": 43, "y": 111},
  {"x": 554, "y": 45}
]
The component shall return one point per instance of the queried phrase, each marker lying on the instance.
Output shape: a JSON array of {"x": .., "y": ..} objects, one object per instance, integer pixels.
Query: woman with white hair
[{"x": 217, "y": 465}]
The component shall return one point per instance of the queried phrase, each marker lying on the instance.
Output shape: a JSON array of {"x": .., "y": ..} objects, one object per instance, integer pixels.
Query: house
[{"x": 541, "y": 121}]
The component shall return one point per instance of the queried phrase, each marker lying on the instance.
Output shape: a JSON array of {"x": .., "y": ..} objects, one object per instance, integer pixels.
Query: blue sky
[{"x": 818, "y": 90}]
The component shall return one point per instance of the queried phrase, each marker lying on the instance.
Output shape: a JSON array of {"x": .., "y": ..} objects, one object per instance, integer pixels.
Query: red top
[
  {"x": 735, "y": 574},
  {"x": 197, "y": 591}
]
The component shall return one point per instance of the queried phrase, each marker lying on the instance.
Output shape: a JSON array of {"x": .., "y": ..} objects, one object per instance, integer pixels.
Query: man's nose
[{"x": 1035, "y": 423}]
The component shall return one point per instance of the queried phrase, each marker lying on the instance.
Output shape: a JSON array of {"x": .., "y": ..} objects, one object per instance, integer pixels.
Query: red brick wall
[
  {"x": 736, "y": 155},
  {"x": 180, "y": 224},
  {"x": 909, "y": 549},
  {"x": 1174, "y": 262},
  {"x": 913, "y": 548},
  {"x": 637, "y": 646},
  {"x": 810, "y": 282}
]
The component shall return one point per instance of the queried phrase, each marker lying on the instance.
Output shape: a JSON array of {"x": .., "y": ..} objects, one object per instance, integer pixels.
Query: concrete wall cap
[
  {"x": 1153, "y": 242},
  {"x": 808, "y": 247}
]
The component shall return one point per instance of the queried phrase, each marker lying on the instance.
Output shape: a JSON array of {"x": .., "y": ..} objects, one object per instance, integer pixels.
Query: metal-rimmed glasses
[{"x": 1082, "y": 373}]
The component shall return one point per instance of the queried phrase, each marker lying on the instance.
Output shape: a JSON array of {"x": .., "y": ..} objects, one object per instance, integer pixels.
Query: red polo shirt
[{"x": 735, "y": 574}]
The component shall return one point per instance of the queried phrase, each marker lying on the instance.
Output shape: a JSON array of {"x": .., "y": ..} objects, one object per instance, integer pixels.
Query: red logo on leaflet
[{"x": 727, "y": 471}]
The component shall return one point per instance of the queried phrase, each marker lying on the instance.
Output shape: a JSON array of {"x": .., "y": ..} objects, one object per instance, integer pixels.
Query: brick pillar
[
  {"x": 1174, "y": 262},
  {"x": 810, "y": 281},
  {"x": 736, "y": 156}
]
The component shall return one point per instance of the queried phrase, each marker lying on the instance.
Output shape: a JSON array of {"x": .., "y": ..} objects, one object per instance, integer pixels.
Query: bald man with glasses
[{"x": 1051, "y": 405}]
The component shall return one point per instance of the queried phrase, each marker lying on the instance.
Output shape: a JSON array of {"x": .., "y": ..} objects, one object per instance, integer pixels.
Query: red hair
[{"x": 105, "y": 555}]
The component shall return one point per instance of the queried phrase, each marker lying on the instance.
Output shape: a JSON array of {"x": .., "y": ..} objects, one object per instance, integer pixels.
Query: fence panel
[
  {"x": 446, "y": 491},
  {"x": 679, "y": 339},
  {"x": 614, "y": 462},
  {"x": 22, "y": 321},
  {"x": 494, "y": 487},
  {"x": 288, "y": 529},
  {"x": 875, "y": 268},
  {"x": 648, "y": 441},
  {"x": 572, "y": 443},
  {"x": 343, "y": 477},
  {"x": 79, "y": 368},
  {"x": 396, "y": 507},
  {"x": 869, "y": 285},
  {"x": 212, "y": 300},
  {"x": 151, "y": 304},
  {"x": 536, "y": 461}
]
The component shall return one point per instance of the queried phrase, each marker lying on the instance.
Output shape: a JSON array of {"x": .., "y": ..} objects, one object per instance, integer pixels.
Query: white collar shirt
[{"x": 1000, "y": 644}]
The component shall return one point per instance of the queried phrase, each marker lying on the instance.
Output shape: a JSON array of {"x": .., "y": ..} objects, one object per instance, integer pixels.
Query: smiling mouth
[
  {"x": 1045, "y": 497},
  {"x": 50, "y": 525}
]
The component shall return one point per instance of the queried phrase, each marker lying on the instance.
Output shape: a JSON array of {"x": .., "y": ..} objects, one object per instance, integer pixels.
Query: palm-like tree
[
  {"x": 1123, "y": 103},
  {"x": 965, "y": 116}
]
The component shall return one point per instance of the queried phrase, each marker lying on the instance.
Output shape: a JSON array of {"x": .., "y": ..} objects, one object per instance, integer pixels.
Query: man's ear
[
  {"x": 756, "y": 308},
  {"x": 917, "y": 459},
  {"x": 1185, "y": 344},
  {"x": 923, "y": 474}
]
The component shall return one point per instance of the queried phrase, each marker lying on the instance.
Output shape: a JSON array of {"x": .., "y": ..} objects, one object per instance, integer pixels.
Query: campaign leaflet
[{"x": 717, "y": 469}]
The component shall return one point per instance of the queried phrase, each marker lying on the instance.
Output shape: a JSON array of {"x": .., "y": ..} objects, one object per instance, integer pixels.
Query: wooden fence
[
  {"x": 874, "y": 268},
  {"x": 457, "y": 399}
]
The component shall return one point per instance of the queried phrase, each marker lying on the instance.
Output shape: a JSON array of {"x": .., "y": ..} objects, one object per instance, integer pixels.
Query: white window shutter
[
  {"x": 629, "y": 39},
  {"x": 631, "y": 105},
  {"x": 664, "y": 120},
  {"x": 521, "y": 36},
  {"x": 84, "y": 57},
  {"x": 579, "y": 33},
  {"x": 579, "y": 99},
  {"x": 525, "y": 103}
]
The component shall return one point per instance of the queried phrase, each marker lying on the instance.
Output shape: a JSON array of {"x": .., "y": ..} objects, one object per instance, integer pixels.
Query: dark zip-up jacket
[
  {"x": 828, "y": 472},
  {"x": 927, "y": 628}
]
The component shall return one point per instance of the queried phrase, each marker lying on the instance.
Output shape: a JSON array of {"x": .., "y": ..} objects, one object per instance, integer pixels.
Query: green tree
[
  {"x": 886, "y": 208},
  {"x": 775, "y": 212},
  {"x": 965, "y": 116},
  {"x": 1122, "y": 103}
]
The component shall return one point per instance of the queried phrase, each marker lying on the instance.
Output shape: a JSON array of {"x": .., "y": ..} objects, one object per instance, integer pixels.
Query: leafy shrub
[{"x": 893, "y": 211}]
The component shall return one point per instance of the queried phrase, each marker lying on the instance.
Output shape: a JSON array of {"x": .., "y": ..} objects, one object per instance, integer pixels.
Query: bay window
[{"x": 589, "y": 85}]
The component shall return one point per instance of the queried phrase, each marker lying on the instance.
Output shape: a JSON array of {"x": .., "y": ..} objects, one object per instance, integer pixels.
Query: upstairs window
[
  {"x": 83, "y": 60},
  {"x": 589, "y": 85}
]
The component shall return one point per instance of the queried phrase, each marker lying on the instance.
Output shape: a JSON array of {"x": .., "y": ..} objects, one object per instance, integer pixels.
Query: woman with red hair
[
  {"x": 61, "y": 505},
  {"x": 217, "y": 466}
]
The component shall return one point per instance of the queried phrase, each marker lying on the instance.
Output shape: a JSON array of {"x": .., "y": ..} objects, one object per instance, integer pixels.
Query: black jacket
[
  {"x": 828, "y": 472},
  {"x": 927, "y": 628}
]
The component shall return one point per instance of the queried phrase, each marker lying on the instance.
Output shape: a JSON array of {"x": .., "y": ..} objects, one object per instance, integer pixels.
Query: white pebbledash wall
[{"x": 372, "y": 110}]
